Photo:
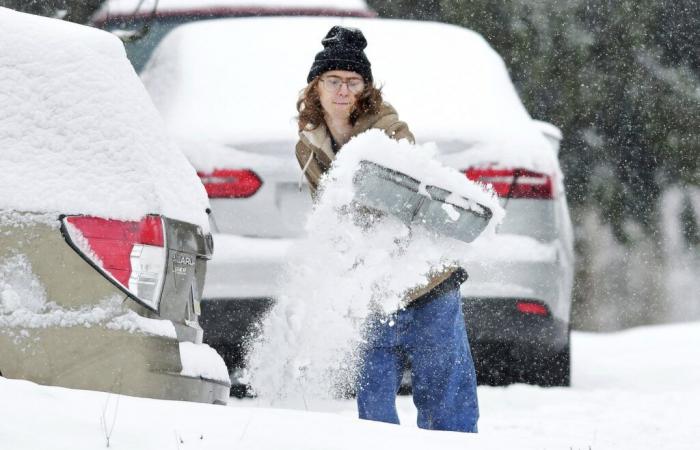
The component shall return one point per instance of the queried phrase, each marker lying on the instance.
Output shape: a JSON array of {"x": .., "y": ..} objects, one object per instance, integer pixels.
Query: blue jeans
[{"x": 432, "y": 337}]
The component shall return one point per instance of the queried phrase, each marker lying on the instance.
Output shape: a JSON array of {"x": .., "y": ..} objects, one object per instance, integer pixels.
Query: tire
[{"x": 551, "y": 370}]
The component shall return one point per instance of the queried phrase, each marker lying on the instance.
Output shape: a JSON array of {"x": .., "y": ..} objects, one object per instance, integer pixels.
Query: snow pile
[
  {"x": 78, "y": 131},
  {"x": 347, "y": 269},
  {"x": 635, "y": 390},
  {"x": 44, "y": 417},
  {"x": 469, "y": 98},
  {"x": 200, "y": 360}
]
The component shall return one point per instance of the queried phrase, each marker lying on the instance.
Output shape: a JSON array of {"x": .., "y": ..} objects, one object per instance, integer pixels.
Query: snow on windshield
[
  {"x": 459, "y": 91},
  {"x": 344, "y": 269},
  {"x": 131, "y": 6},
  {"x": 78, "y": 133}
]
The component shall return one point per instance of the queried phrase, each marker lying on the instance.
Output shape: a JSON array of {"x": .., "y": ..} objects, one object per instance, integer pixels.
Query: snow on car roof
[
  {"x": 237, "y": 80},
  {"x": 78, "y": 132},
  {"x": 136, "y": 6}
]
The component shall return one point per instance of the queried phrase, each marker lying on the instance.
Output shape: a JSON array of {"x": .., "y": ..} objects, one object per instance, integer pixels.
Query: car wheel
[{"x": 549, "y": 370}]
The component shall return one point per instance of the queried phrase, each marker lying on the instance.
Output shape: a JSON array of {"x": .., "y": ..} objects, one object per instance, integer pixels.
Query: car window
[
  {"x": 527, "y": 217},
  {"x": 139, "y": 50}
]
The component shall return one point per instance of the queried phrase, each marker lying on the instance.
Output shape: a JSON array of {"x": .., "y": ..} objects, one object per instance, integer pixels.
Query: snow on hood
[
  {"x": 78, "y": 132},
  {"x": 145, "y": 6},
  {"x": 446, "y": 81}
]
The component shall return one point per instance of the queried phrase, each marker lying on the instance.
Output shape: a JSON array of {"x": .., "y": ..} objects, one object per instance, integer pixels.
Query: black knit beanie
[{"x": 342, "y": 50}]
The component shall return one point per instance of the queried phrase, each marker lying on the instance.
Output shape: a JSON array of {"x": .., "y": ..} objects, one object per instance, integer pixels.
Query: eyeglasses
[{"x": 333, "y": 84}]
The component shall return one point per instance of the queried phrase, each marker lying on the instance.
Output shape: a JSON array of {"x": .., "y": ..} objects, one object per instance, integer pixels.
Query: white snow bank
[
  {"x": 632, "y": 390},
  {"x": 468, "y": 98},
  {"x": 146, "y": 6},
  {"x": 661, "y": 358},
  {"x": 55, "y": 418},
  {"x": 78, "y": 131},
  {"x": 343, "y": 271},
  {"x": 635, "y": 390},
  {"x": 200, "y": 360}
]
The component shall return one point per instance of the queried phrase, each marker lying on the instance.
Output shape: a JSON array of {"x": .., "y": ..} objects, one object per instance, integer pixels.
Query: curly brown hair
[{"x": 311, "y": 112}]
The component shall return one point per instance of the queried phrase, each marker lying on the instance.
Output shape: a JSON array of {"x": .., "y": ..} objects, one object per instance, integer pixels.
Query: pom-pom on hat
[{"x": 342, "y": 50}]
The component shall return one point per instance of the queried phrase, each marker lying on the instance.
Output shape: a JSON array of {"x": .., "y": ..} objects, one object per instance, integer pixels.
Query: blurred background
[{"x": 621, "y": 78}]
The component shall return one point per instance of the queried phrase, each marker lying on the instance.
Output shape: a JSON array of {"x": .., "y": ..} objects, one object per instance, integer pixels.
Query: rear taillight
[
  {"x": 514, "y": 183},
  {"x": 131, "y": 254},
  {"x": 230, "y": 183},
  {"x": 528, "y": 307}
]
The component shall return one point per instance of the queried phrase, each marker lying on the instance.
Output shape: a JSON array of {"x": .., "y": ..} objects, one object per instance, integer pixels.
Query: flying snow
[{"x": 347, "y": 268}]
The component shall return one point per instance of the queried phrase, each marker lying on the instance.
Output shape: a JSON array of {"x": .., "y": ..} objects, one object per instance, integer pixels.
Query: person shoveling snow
[{"x": 376, "y": 283}]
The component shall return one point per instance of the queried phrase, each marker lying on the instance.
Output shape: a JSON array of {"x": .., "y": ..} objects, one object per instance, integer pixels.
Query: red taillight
[
  {"x": 151, "y": 231},
  {"x": 230, "y": 183},
  {"x": 532, "y": 308},
  {"x": 514, "y": 183},
  {"x": 129, "y": 252}
]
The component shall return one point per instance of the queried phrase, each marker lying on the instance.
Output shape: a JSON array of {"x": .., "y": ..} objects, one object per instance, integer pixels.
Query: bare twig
[
  {"x": 178, "y": 439},
  {"x": 108, "y": 430},
  {"x": 116, "y": 388},
  {"x": 245, "y": 428}
]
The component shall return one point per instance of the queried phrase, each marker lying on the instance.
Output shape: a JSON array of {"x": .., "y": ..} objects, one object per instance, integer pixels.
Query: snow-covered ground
[{"x": 636, "y": 389}]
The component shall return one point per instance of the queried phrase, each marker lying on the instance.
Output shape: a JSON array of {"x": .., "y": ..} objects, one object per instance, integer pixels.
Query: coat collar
[{"x": 319, "y": 139}]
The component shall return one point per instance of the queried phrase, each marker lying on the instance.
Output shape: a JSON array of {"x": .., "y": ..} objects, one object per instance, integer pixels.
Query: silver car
[
  {"x": 142, "y": 24},
  {"x": 237, "y": 128}
]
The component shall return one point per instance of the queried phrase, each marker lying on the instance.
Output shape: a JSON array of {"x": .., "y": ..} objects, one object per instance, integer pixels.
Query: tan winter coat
[{"x": 315, "y": 155}]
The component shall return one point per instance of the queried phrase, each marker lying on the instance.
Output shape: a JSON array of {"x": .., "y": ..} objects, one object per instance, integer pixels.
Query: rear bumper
[
  {"x": 229, "y": 323},
  {"x": 95, "y": 358},
  {"x": 497, "y": 321}
]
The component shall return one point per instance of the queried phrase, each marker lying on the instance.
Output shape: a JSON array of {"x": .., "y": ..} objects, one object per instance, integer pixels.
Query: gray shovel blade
[{"x": 397, "y": 194}]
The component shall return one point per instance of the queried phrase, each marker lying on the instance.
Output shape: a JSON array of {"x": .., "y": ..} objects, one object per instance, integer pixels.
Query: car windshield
[
  {"x": 527, "y": 217},
  {"x": 139, "y": 50}
]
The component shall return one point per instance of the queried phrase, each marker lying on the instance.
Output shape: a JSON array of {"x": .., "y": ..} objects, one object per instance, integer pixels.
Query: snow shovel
[{"x": 401, "y": 196}]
